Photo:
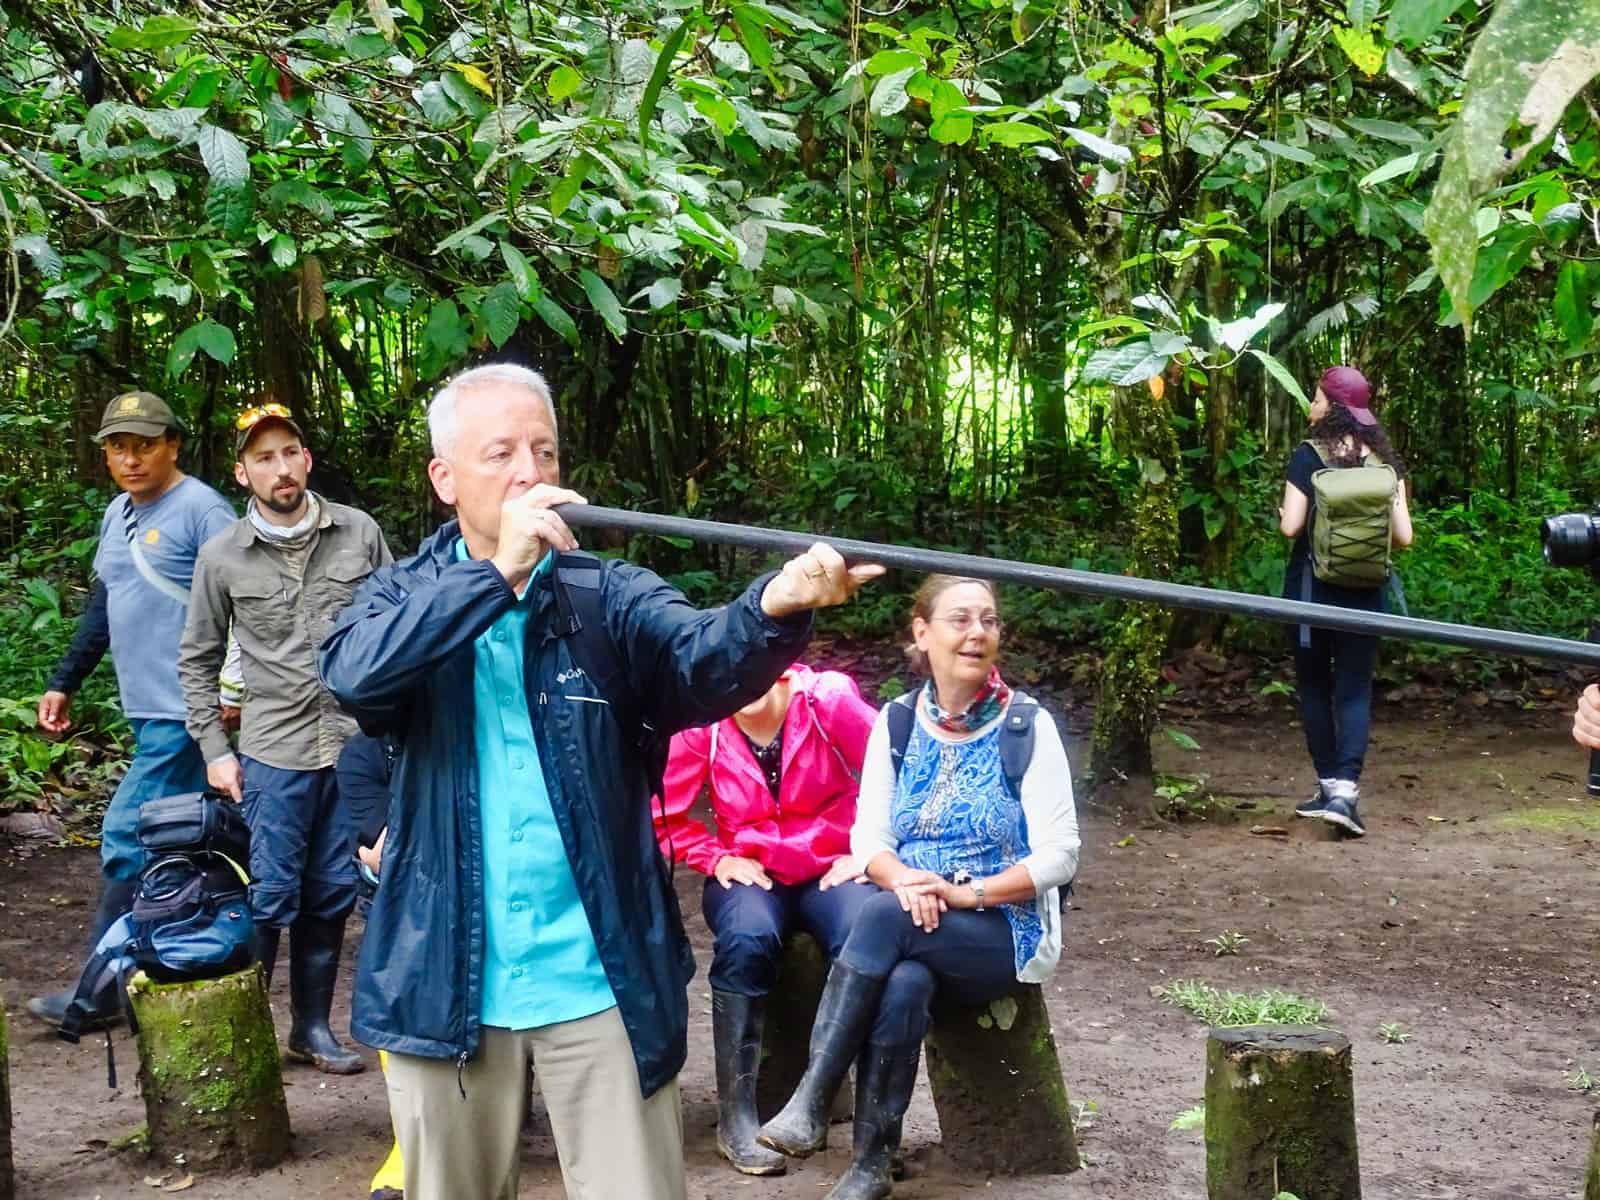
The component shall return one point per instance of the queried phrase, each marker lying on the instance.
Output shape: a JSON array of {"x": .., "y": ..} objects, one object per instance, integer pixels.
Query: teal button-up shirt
[{"x": 541, "y": 965}]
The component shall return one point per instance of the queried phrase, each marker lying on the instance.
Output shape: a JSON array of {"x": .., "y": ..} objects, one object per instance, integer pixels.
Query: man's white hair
[{"x": 443, "y": 424}]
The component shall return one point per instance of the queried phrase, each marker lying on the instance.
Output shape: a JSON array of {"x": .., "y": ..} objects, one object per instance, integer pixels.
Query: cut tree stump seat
[
  {"x": 209, "y": 1072},
  {"x": 996, "y": 1080}
]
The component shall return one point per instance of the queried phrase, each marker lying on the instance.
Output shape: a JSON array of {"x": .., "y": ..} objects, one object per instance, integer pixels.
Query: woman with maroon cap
[{"x": 1333, "y": 670}]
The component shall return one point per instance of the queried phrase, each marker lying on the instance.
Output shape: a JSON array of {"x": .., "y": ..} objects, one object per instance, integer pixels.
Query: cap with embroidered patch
[{"x": 143, "y": 413}]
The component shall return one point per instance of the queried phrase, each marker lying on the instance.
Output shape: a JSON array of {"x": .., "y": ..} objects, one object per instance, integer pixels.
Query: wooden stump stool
[
  {"x": 209, "y": 1072},
  {"x": 786, "y": 1037},
  {"x": 1280, "y": 1114},
  {"x": 1591, "y": 1179},
  {"x": 8, "y": 1180},
  {"x": 997, "y": 1085}
]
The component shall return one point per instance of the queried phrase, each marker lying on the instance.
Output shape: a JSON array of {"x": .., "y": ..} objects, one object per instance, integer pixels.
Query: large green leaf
[
  {"x": 605, "y": 302},
  {"x": 217, "y": 341},
  {"x": 1284, "y": 376},
  {"x": 224, "y": 155},
  {"x": 658, "y": 77},
  {"x": 553, "y": 315},
  {"x": 889, "y": 93},
  {"x": 1574, "y": 305},
  {"x": 157, "y": 33},
  {"x": 230, "y": 208},
  {"x": 444, "y": 339},
  {"x": 563, "y": 82},
  {"x": 1531, "y": 59},
  {"x": 1125, "y": 365},
  {"x": 1411, "y": 21},
  {"x": 502, "y": 312},
  {"x": 753, "y": 35},
  {"x": 523, "y": 277}
]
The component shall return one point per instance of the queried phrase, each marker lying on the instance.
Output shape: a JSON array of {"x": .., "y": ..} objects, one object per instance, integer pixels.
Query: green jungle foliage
[{"x": 1047, "y": 279}]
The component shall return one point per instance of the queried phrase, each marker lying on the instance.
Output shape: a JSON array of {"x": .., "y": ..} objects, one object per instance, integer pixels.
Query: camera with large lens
[{"x": 1572, "y": 540}]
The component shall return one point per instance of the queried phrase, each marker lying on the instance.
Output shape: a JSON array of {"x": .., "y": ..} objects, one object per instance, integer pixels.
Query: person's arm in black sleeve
[
  {"x": 363, "y": 771},
  {"x": 90, "y": 642}
]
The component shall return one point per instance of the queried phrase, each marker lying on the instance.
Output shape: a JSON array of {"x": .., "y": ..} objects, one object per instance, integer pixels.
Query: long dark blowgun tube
[{"x": 1094, "y": 583}]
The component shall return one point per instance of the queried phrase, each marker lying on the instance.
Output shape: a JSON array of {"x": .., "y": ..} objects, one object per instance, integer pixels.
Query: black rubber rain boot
[
  {"x": 314, "y": 947},
  {"x": 736, "y": 1038},
  {"x": 885, "y": 1076},
  {"x": 849, "y": 1004},
  {"x": 116, "y": 898}
]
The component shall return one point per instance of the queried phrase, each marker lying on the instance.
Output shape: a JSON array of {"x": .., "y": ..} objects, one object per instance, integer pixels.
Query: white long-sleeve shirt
[{"x": 1047, "y": 806}]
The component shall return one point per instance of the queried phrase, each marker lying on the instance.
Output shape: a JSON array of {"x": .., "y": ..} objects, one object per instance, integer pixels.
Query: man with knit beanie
[{"x": 281, "y": 575}]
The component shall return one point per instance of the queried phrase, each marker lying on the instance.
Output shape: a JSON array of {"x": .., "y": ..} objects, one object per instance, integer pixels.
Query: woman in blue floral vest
[{"x": 970, "y": 858}]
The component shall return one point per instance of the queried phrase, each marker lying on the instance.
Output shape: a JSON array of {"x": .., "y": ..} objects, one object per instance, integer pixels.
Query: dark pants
[
  {"x": 302, "y": 845},
  {"x": 969, "y": 958},
  {"x": 751, "y": 923},
  {"x": 1334, "y": 678}
]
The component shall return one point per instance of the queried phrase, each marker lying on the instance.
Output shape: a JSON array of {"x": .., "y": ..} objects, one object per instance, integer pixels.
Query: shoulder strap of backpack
[
  {"x": 1316, "y": 448},
  {"x": 1016, "y": 744},
  {"x": 581, "y": 619},
  {"x": 902, "y": 716}
]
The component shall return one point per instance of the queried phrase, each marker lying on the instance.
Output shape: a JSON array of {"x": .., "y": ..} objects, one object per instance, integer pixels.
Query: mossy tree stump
[
  {"x": 1591, "y": 1180},
  {"x": 786, "y": 1036},
  {"x": 209, "y": 1072},
  {"x": 8, "y": 1178},
  {"x": 997, "y": 1085},
  {"x": 1280, "y": 1114}
]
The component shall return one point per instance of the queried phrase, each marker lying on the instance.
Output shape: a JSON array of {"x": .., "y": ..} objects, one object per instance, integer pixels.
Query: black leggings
[{"x": 969, "y": 958}]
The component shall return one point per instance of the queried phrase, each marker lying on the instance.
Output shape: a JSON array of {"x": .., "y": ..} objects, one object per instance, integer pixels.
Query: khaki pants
[{"x": 612, "y": 1142}]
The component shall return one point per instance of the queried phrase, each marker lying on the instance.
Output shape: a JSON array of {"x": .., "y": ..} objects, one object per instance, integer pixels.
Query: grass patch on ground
[
  {"x": 1217, "y": 1007},
  {"x": 1582, "y": 817}
]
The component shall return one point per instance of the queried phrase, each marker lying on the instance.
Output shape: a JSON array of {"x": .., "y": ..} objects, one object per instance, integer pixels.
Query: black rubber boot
[
  {"x": 736, "y": 1038},
  {"x": 849, "y": 1004},
  {"x": 267, "y": 939},
  {"x": 885, "y": 1076},
  {"x": 116, "y": 898},
  {"x": 314, "y": 946}
]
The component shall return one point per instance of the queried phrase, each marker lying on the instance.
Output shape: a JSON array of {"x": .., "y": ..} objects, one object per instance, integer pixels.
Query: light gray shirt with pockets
[{"x": 281, "y": 601}]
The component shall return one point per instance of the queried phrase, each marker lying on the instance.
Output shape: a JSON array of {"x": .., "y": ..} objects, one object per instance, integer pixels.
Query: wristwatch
[{"x": 977, "y": 890}]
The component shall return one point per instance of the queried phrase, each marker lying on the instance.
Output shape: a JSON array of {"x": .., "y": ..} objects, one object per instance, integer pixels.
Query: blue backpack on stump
[{"x": 191, "y": 914}]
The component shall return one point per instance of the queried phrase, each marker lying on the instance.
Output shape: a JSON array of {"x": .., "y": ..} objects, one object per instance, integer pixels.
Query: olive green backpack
[{"x": 1354, "y": 522}]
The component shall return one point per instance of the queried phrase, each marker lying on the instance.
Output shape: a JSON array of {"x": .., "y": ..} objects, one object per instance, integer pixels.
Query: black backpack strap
[
  {"x": 902, "y": 716},
  {"x": 580, "y": 617},
  {"x": 1016, "y": 743}
]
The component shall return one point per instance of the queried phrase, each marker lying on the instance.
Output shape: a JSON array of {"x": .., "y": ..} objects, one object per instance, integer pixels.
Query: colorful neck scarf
[{"x": 988, "y": 704}]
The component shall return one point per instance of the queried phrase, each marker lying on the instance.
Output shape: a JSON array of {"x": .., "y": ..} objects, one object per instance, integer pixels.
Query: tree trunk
[
  {"x": 209, "y": 1072},
  {"x": 1280, "y": 1114},
  {"x": 1044, "y": 368},
  {"x": 8, "y": 1180},
  {"x": 997, "y": 1085},
  {"x": 1591, "y": 1178}
]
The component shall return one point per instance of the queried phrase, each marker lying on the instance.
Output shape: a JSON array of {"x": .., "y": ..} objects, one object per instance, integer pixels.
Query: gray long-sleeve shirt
[{"x": 282, "y": 604}]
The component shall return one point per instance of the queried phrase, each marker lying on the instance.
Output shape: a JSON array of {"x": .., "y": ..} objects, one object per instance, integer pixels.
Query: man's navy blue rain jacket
[{"x": 400, "y": 659}]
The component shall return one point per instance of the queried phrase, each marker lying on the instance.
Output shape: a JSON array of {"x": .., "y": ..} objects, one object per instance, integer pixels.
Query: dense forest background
[{"x": 1034, "y": 279}]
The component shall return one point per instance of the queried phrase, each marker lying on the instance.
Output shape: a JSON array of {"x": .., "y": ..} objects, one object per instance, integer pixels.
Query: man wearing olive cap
[{"x": 150, "y": 536}]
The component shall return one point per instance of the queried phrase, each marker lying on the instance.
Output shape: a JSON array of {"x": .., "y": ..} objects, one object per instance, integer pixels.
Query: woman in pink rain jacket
[{"x": 782, "y": 774}]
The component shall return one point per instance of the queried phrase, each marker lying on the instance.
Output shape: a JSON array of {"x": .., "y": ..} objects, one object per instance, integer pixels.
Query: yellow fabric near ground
[{"x": 393, "y": 1173}]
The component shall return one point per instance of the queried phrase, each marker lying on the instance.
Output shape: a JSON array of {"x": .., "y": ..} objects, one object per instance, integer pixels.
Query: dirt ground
[{"x": 1467, "y": 916}]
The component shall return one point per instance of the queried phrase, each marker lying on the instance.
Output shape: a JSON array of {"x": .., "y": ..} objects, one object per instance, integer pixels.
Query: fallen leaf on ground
[
  {"x": 182, "y": 1185},
  {"x": 155, "y": 1181},
  {"x": 1269, "y": 831}
]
